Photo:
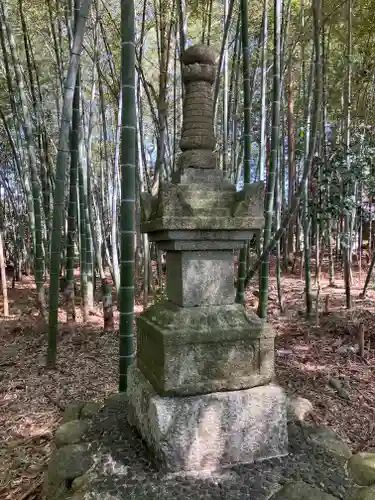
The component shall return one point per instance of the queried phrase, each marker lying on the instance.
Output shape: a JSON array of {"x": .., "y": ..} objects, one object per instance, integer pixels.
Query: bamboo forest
[{"x": 187, "y": 249}]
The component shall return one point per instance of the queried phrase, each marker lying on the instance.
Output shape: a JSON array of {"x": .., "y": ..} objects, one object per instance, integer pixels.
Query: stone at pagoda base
[
  {"x": 184, "y": 351},
  {"x": 209, "y": 431}
]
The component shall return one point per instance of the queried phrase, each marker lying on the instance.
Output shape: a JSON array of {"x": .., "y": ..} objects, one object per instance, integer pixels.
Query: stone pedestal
[
  {"x": 188, "y": 351},
  {"x": 201, "y": 392},
  {"x": 212, "y": 430}
]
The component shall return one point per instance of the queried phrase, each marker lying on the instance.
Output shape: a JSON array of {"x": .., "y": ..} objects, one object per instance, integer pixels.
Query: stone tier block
[
  {"x": 204, "y": 175},
  {"x": 200, "y": 278},
  {"x": 227, "y": 239},
  {"x": 190, "y": 351},
  {"x": 209, "y": 431},
  {"x": 212, "y": 205},
  {"x": 202, "y": 222}
]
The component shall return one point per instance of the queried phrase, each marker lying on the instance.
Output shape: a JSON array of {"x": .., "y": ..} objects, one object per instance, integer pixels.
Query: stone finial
[{"x": 197, "y": 137}]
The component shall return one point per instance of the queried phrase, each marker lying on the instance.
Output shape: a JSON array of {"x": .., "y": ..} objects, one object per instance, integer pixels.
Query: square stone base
[{"x": 212, "y": 430}]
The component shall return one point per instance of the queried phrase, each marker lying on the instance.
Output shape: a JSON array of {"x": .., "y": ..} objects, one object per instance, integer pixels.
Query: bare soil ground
[{"x": 32, "y": 398}]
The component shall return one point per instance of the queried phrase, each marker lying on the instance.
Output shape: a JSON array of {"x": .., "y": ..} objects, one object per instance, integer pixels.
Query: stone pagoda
[{"x": 201, "y": 391}]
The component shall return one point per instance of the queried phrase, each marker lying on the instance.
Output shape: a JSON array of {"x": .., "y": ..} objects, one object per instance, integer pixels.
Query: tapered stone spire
[{"x": 197, "y": 137}]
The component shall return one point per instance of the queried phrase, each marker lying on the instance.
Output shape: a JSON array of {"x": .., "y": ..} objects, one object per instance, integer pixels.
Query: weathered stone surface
[
  {"x": 301, "y": 491},
  {"x": 188, "y": 351},
  {"x": 344, "y": 393},
  {"x": 166, "y": 238},
  {"x": 149, "y": 205},
  {"x": 249, "y": 201},
  {"x": 72, "y": 412},
  {"x": 82, "y": 482},
  {"x": 353, "y": 493},
  {"x": 56, "y": 492},
  {"x": 90, "y": 409},
  {"x": 188, "y": 245},
  {"x": 70, "y": 432},
  {"x": 298, "y": 408},
  {"x": 361, "y": 467},
  {"x": 194, "y": 177},
  {"x": 203, "y": 222},
  {"x": 198, "y": 77},
  {"x": 200, "y": 278},
  {"x": 65, "y": 465},
  {"x": 198, "y": 72},
  {"x": 202, "y": 158},
  {"x": 116, "y": 399},
  {"x": 197, "y": 108},
  {"x": 335, "y": 383},
  {"x": 358, "y": 493},
  {"x": 197, "y": 142},
  {"x": 78, "y": 495},
  {"x": 179, "y": 207},
  {"x": 330, "y": 441},
  {"x": 199, "y": 53},
  {"x": 203, "y": 432}
]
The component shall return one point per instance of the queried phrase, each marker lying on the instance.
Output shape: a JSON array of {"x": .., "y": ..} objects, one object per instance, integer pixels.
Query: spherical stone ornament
[
  {"x": 199, "y": 53},
  {"x": 198, "y": 72}
]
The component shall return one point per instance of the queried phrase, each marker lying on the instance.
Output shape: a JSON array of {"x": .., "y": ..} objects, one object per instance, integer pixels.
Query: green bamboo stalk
[
  {"x": 263, "y": 93},
  {"x": 347, "y": 189},
  {"x": 306, "y": 210},
  {"x": 269, "y": 203},
  {"x": 72, "y": 209},
  {"x": 240, "y": 295},
  {"x": 83, "y": 238},
  {"x": 128, "y": 166}
]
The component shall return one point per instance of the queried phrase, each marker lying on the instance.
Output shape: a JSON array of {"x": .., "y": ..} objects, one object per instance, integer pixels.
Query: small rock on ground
[
  {"x": 65, "y": 465},
  {"x": 91, "y": 409},
  {"x": 301, "y": 491},
  {"x": 298, "y": 408},
  {"x": 70, "y": 432},
  {"x": 335, "y": 383},
  {"x": 116, "y": 399},
  {"x": 78, "y": 495},
  {"x": 330, "y": 441},
  {"x": 82, "y": 482},
  {"x": 361, "y": 493},
  {"x": 362, "y": 468},
  {"x": 72, "y": 412}
]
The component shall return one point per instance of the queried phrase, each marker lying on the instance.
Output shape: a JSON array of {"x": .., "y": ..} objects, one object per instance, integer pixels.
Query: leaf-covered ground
[{"x": 308, "y": 357}]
